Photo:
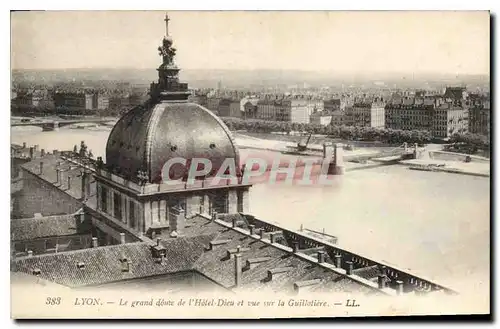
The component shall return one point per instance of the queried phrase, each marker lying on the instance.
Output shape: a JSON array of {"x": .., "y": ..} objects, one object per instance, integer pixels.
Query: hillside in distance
[{"x": 203, "y": 78}]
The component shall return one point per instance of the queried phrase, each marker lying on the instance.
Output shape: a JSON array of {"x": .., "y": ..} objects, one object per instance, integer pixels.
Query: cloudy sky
[{"x": 349, "y": 42}]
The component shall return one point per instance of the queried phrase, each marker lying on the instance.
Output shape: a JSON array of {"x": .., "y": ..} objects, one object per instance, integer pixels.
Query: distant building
[
  {"x": 75, "y": 102},
  {"x": 321, "y": 118},
  {"x": 448, "y": 120},
  {"x": 101, "y": 102},
  {"x": 411, "y": 113},
  {"x": 339, "y": 118},
  {"x": 301, "y": 110},
  {"x": 119, "y": 101},
  {"x": 366, "y": 113},
  {"x": 332, "y": 105},
  {"x": 248, "y": 107},
  {"x": 213, "y": 104},
  {"x": 479, "y": 115},
  {"x": 229, "y": 108},
  {"x": 441, "y": 116},
  {"x": 235, "y": 109},
  {"x": 266, "y": 109},
  {"x": 455, "y": 93},
  {"x": 30, "y": 100}
]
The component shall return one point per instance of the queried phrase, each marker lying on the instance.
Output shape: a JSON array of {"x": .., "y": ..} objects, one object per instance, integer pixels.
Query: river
[{"x": 433, "y": 224}]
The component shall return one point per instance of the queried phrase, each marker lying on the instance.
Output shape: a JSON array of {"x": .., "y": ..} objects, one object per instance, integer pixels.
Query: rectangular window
[
  {"x": 104, "y": 199},
  {"x": 218, "y": 201},
  {"x": 117, "y": 205},
  {"x": 132, "y": 213},
  {"x": 240, "y": 200}
]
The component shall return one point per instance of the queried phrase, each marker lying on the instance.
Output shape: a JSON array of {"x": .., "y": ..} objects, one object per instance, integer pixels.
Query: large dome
[{"x": 145, "y": 138}]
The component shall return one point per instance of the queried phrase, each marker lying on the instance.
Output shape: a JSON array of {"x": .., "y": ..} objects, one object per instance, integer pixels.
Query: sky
[{"x": 345, "y": 42}]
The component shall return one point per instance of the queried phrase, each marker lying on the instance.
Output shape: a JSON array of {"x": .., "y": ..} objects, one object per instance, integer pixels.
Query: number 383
[{"x": 53, "y": 301}]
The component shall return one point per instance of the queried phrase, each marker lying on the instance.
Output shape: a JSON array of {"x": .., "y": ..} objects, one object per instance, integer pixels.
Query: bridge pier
[
  {"x": 334, "y": 154},
  {"x": 52, "y": 126},
  {"x": 415, "y": 152}
]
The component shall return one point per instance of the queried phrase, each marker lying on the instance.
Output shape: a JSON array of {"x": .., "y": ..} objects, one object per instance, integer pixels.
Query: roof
[
  {"x": 454, "y": 92},
  {"x": 145, "y": 138},
  {"x": 215, "y": 264},
  {"x": 102, "y": 264},
  {"x": 34, "y": 228},
  {"x": 209, "y": 247},
  {"x": 68, "y": 169}
]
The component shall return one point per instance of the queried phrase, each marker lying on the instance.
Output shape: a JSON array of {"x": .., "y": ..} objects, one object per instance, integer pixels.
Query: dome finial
[{"x": 166, "y": 51}]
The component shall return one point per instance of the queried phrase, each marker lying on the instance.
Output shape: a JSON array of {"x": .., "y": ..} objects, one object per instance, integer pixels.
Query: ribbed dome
[{"x": 145, "y": 138}]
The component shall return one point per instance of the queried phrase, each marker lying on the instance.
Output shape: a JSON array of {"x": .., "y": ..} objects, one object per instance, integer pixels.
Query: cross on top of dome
[{"x": 166, "y": 24}]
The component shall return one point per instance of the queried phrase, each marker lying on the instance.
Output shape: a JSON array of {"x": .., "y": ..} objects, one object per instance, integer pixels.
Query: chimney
[
  {"x": 42, "y": 152},
  {"x": 55, "y": 152},
  {"x": 262, "y": 233},
  {"x": 122, "y": 238},
  {"x": 32, "y": 153},
  {"x": 349, "y": 268},
  {"x": 41, "y": 167},
  {"x": 85, "y": 184},
  {"x": 214, "y": 215},
  {"x": 69, "y": 182},
  {"x": 295, "y": 246},
  {"x": 237, "y": 269},
  {"x": 399, "y": 287},
  {"x": 36, "y": 148},
  {"x": 338, "y": 260},
  {"x": 158, "y": 241},
  {"x": 24, "y": 145},
  {"x": 381, "y": 281},
  {"x": 30, "y": 253},
  {"x": 235, "y": 220},
  {"x": 321, "y": 256},
  {"x": 252, "y": 229},
  {"x": 177, "y": 221},
  {"x": 95, "y": 244},
  {"x": 272, "y": 236}
]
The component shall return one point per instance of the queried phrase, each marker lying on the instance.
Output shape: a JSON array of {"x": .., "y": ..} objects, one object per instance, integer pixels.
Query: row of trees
[
  {"x": 469, "y": 143},
  {"x": 352, "y": 133}
]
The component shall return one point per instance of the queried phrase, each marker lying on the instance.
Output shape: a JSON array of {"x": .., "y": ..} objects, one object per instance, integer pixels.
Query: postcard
[{"x": 249, "y": 164}]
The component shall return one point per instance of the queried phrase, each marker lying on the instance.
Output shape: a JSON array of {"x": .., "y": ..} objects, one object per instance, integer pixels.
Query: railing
[{"x": 411, "y": 281}]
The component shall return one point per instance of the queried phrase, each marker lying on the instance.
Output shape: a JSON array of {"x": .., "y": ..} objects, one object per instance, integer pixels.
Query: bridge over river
[{"x": 51, "y": 125}]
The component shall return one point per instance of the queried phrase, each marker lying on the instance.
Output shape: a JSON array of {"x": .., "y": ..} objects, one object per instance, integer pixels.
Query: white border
[{"x": 186, "y": 5}]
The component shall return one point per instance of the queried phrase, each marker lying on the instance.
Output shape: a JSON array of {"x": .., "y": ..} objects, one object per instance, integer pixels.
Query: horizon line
[{"x": 256, "y": 69}]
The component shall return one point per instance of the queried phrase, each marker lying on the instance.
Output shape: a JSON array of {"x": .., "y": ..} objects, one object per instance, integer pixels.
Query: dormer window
[
  {"x": 37, "y": 271},
  {"x": 80, "y": 265},
  {"x": 125, "y": 264}
]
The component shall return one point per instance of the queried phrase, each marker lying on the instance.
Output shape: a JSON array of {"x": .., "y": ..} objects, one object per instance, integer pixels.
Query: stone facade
[{"x": 153, "y": 212}]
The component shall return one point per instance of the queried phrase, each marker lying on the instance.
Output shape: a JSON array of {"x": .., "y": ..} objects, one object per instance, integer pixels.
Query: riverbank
[
  {"x": 452, "y": 167},
  {"x": 282, "y": 143}
]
